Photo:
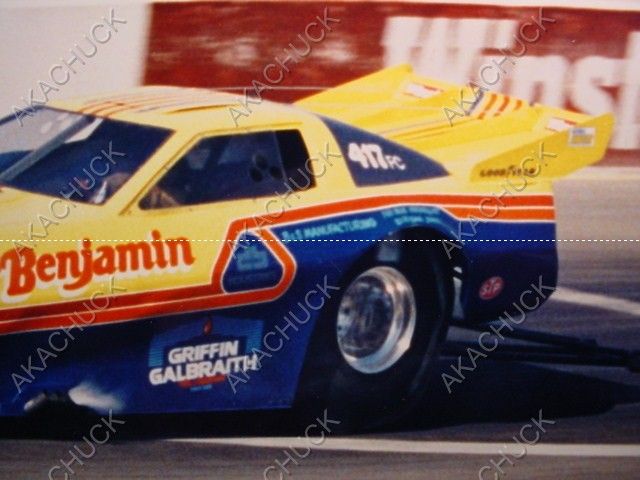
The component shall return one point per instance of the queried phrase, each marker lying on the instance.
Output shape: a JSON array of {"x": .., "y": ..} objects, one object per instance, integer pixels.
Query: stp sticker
[{"x": 491, "y": 288}]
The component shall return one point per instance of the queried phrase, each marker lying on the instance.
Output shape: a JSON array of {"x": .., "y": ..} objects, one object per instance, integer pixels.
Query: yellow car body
[{"x": 125, "y": 265}]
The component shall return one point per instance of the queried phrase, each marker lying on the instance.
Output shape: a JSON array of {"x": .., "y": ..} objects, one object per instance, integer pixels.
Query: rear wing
[{"x": 471, "y": 131}]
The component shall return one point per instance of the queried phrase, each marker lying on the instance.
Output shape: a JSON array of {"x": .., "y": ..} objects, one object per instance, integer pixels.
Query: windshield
[{"x": 71, "y": 155}]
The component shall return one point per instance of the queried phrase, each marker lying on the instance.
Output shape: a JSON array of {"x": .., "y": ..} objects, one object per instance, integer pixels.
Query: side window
[{"x": 231, "y": 167}]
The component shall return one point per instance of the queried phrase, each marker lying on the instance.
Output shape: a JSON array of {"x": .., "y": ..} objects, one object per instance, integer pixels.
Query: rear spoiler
[{"x": 473, "y": 132}]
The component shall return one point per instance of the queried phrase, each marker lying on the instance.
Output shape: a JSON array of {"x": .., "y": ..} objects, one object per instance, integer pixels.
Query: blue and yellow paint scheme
[{"x": 112, "y": 301}]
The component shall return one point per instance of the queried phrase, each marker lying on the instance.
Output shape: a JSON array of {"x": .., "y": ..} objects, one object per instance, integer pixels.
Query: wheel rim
[{"x": 376, "y": 320}]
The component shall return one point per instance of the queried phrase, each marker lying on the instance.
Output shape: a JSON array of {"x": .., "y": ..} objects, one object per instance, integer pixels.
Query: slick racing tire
[{"x": 374, "y": 349}]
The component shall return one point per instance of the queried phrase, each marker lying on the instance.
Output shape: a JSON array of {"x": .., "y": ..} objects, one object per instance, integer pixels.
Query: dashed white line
[{"x": 427, "y": 447}]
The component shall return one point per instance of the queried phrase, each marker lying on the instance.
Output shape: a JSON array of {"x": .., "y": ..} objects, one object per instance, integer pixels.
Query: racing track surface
[{"x": 598, "y": 408}]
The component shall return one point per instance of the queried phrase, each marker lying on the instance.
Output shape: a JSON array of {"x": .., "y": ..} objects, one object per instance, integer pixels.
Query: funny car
[{"x": 173, "y": 249}]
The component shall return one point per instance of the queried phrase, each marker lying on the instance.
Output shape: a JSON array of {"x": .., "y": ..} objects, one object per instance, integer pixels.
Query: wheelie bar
[{"x": 551, "y": 348}]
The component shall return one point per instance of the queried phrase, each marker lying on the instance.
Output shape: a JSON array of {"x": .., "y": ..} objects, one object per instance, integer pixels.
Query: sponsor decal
[
  {"x": 491, "y": 288},
  {"x": 252, "y": 267},
  {"x": 559, "y": 124},
  {"x": 420, "y": 90},
  {"x": 582, "y": 137},
  {"x": 330, "y": 229},
  {"x": 370, "y": 155},
  {"x": 199, "y": 355},
  {"x": 411, "y": 215},
  {"x": 24, "y": 271},
  {"x": 510, "y": 171},
  {"x": 252, "y": 258}
]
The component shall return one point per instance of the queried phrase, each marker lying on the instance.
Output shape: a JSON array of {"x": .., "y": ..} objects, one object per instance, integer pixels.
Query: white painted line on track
[
  {"x": 595, "y": 300},
  {"x": 426, "y": 447}
]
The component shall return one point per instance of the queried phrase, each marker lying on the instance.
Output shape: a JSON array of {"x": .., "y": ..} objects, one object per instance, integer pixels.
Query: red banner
[{"x": 585, "y": 60}]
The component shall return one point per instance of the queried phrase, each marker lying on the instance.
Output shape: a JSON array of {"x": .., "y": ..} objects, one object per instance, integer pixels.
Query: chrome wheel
[{"x": 376, "y": 319}]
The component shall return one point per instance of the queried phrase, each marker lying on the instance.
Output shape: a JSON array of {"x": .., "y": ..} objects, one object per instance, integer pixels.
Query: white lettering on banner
[{"x": 450, "y": 50}]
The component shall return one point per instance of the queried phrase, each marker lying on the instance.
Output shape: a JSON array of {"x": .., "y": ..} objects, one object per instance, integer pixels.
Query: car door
[{"x": 211, "y": 210}]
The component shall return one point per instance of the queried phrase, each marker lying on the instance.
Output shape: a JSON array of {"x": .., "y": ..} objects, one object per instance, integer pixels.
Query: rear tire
[{"x": 375, "y": 346}]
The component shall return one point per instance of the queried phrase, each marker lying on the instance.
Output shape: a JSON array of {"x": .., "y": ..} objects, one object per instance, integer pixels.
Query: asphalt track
[{"x": 596, "y": 410}]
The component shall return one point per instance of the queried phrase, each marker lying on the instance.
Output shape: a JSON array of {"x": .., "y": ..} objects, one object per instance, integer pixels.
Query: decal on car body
[{"x": 201, "y": 354}]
